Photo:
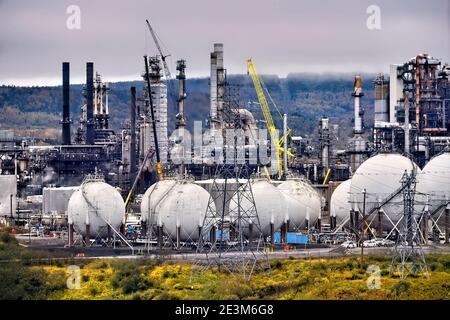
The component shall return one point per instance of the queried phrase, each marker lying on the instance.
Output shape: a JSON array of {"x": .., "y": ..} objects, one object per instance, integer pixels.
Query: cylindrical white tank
[
  {"x": 96, "y": 203},
  {"x": 340, "y": 202},
  {"x": 434, "y": 181},
  {"x": 176, "y": 204},
  {"x": 270, "y": 205},
  {"x": 380, "y": 176},
  {"x": 303, "y": 201}
]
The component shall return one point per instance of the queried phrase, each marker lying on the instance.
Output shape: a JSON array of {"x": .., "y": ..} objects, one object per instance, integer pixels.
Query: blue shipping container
[{"x": 292, "y": 238}]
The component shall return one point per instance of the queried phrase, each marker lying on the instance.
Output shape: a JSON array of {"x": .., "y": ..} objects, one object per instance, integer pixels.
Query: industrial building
[{"x": 97, "y": 180}]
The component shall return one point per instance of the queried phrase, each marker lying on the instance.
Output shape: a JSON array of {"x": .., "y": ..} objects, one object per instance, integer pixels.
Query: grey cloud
[{"x": 281, "y": 36}]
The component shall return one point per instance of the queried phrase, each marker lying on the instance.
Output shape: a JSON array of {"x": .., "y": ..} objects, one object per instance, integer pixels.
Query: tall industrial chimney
[
  {"x": 181, "y": 76},
  {"x": 213, "y": 87},
  {"x": 133, "y": 134},
  {"x": 217, "y": 86},
  {"x": 90, "y": 103},
  {"x": 357, "y": 93},
  {"x": 66, "y": 104}
]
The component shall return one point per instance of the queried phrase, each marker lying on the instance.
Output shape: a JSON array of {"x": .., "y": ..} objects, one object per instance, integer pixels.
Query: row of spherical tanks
[
  {"x": 179, "y": 206},
  {"x": 380, "y": 176},
  {"x": 182, "y": 204}
]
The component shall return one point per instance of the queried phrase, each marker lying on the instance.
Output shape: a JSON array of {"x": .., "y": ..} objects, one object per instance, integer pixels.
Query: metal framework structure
[
  {"x": 231, "y": 237},
  {"x": 408, "y": 254}
]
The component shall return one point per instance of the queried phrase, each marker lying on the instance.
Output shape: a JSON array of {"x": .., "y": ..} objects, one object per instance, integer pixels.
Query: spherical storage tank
[
  {"x": 340, "y": 202},
  {"x": 434, "y": 180},
  {"x": 96, "y": 203},
  {"x": 153, "y": 197},
  {"x": 380, "y": 176},
  {"x": 302, "y": 200},
  {"x": 270, "y": 206},
  {"x": 176, "y": 204}
]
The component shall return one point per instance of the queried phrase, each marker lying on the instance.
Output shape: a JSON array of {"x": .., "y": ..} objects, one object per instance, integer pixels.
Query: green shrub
[
  {"x": 6, "y": 237},
  {"x": 128, "y": 277},
  {"x": 400, "y": 289}
]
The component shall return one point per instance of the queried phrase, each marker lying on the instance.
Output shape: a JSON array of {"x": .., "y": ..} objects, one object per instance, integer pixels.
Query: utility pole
[{"x": 363, "y": 220}]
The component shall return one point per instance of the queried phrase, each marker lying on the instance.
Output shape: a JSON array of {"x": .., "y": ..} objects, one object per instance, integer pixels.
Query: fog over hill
[{"x": 305, "y": 97}]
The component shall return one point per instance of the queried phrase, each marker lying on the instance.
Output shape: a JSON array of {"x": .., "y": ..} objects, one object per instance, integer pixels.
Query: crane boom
[
  {"x": 163, "y": 57},
  {"x": 266, "y": 112}
]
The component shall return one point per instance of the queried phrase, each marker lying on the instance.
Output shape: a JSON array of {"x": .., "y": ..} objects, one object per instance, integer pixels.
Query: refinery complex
[{"x": 238, "y": 183}]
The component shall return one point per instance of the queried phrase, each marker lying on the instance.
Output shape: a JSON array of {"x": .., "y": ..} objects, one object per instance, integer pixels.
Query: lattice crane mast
[
  {"x": 163, "y": 56},
  {"x": 260, "y": 88}
]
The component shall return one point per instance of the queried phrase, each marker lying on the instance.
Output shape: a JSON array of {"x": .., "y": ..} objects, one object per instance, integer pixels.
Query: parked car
[
  {"x": 349, "y": 244},
  {"x": 370, "y": 243},
  {"x": 386, "y": 243}
]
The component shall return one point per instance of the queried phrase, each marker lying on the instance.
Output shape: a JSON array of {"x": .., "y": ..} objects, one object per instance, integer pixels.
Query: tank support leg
[
  {"x": 87, "y": 238},
  {"x": 352, "y": 220},
  {"x": 380, "y": 223},
  {"x": 178, "y": 237},
  {"x": 109, "y": 240},
  {"x": 425, "y": 227},
  {"x": 250, "y": 233},
  {"x": 283, "y": 233},
  {"x": 160, "y": 237},
  {"x": 447, "y": 224},
  {"x": 212, "y": 234},
  {"x": 144, "y": 229},
  {"x": 71, "y": 235},
  {"x": 272, "y": 234}
]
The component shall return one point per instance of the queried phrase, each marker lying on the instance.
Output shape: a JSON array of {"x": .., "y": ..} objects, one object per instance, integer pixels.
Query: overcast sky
[{"x": 281, "y": 36}]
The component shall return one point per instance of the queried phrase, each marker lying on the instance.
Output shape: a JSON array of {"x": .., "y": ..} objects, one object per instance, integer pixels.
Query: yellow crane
[{"x": 260, "y": 88}]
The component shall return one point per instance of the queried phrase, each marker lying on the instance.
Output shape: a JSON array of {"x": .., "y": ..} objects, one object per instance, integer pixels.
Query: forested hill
[{"x": 304, "y": 97}]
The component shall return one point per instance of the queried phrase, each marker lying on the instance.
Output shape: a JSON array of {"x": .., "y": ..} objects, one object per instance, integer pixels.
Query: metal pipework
[
  {"x": 417, "y": 93},
  {"x": 181, "y": 76}
]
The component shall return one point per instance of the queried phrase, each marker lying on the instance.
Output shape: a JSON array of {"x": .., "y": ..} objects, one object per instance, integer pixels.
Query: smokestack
[
  {"x": 133, "y": 134},
  {"x": 218, "y": 49},
  {"x": 90, "y": 103},
  {"x": 66, "y": 104},
  {"x": 358, "y": 111},
  {"x": 213, "y": 87},
  {"x": 181, "y": 76}
]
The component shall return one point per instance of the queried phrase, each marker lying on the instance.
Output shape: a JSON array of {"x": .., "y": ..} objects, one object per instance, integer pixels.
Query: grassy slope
[
  {"x": 340, "y": 278},
  {"x": 290, "y": 279}
]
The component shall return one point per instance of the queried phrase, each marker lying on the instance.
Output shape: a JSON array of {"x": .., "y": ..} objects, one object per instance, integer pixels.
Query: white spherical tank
[
  {"x": 153, "y": 197},
  {"x": 177, "y": 204},
  {"x": 270, "y": 205},
  {"x": 303, "y": 201},
  {"x": 380, "y": 176},
  {"x": 434, "y": 179},
  {"x": 340, "y": 202},
  {"x": 433, "y": 182},
  {"x": 96, "y": 203}
]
